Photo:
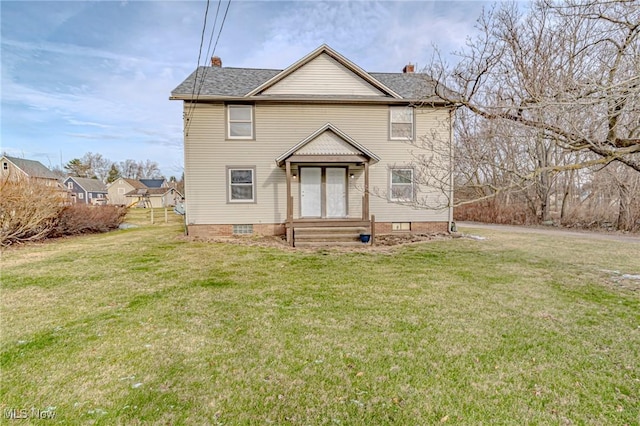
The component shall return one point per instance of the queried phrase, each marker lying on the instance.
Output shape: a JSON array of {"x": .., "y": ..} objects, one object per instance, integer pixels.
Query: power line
[
  {"x": 193, "y": 89},
  {"x": 204, "y": 72}
]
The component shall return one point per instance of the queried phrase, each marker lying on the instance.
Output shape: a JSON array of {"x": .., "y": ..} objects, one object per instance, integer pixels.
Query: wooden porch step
[
  {"x": 326, "y": 236},
  {"x": 330, "y": 244},
  {"x": 331, "y": 230},
  {"x": 302, "y": 223}
]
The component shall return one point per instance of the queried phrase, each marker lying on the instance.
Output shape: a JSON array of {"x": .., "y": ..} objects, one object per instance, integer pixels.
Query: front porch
[{"x": 324, "y": 211}]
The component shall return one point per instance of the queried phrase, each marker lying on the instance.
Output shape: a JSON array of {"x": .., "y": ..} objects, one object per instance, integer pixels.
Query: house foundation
[{"x": 279, "y": 229}]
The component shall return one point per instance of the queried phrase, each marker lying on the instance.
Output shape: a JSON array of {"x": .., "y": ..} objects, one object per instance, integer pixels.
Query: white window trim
[
  {"x": 253, "y": 184},
  {"x": 69, "y": 185},
  {"x": 412, "y": 184},
  {"x": 251, "y": 121},
  {"x": 121, "y": 191},
  {"x": 401, "y": 138},
  {"x": 80, "y": 196}
]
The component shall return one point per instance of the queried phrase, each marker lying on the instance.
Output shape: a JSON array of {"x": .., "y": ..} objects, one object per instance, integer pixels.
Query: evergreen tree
[{"x": 114, "y": 174}]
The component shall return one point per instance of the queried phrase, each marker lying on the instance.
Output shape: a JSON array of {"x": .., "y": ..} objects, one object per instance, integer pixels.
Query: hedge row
[{"x": 30, "y": 211}]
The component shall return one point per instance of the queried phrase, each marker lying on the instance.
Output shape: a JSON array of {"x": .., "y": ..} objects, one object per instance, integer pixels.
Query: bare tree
[
  {"x": 130, "y": 169},
  {"x": 98, "y": 165},
  {"x": 541, "y": 95},
  {"x": 569, "y": 73},
  {"x": 149, "y": 170}
]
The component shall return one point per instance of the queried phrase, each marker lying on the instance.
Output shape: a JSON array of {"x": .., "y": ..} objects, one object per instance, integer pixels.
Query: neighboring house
[
  {"x": 143, "y": 193},
  {"x": 154, "y": 197},
  {"x": 19, "y": 168},
  {"x": 118, "y": 190},
  {"x": 86, "y": 191},
  {"x": 303, "y": 150}
]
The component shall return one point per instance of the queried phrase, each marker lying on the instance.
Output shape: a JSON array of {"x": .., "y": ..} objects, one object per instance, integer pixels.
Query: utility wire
[
  {"x": 204, "y": 28},
  {"x": 204, "y": 71}
]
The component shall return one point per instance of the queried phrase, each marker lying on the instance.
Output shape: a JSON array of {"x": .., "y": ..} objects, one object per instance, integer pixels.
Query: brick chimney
[
  {"x": 410, "y": 68},
  {"x": 216, "y": 61}
]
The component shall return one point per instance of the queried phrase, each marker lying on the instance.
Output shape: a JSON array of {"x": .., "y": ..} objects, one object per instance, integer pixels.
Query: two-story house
[
  {"x": 316, "y": 149},
  {"x": 118, "y": 190},
  {"x": 156, "y": 193},
  {"x": 85, "y": 190}
]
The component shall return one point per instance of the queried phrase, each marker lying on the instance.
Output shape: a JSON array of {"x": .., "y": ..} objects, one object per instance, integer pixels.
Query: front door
[
  {"x": 323, "y": 192},
  {"x": 311, "y": 192},
  {"x": 336, "y": 192}
]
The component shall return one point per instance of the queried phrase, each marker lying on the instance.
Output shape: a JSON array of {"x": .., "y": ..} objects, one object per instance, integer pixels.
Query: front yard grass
[{"x": 140, "y": 326}]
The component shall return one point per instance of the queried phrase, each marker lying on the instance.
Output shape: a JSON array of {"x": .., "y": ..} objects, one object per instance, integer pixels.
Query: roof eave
[{"x": 328, "y": 99}]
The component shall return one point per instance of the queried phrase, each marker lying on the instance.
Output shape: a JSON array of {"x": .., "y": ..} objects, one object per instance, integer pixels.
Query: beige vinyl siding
[
  {"x": 12, "y": 173},
  {"x": 114, "y": 196},
  {"x": 323, "y": 76},
  {"x": 278, "y": 128},
  {"x": 356, "y": 186}
]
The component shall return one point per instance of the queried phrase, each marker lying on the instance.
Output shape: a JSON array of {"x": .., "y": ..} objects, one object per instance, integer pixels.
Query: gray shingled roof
[
  {"x": 32, "y": 168},
  {"x": 220, "y": 81},
  {"x": 408, "y": 85},
  {"x": 91, "y": 185},
  {"x": 237, "y": 82}
]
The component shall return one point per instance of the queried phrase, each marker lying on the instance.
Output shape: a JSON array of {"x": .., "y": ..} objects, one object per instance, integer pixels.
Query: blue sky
[{"x": 96, "y": 76}]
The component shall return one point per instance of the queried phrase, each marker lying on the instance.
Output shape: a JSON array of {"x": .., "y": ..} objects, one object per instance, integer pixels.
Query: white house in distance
[{"x": 301, "y": 151}]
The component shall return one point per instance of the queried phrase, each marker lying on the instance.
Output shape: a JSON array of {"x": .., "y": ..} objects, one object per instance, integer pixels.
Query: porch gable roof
[{"x": 329, "y": 141}]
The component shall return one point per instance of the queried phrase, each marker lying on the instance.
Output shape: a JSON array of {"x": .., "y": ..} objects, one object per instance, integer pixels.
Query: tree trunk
[{"x": 624, "y": 208}]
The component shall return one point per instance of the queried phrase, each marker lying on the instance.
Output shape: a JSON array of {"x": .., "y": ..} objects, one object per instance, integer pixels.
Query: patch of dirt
[
  {"x": 408, "y": 238},
  {"x": 382, "y": 242},
  {"x": 245, "y": 240}
]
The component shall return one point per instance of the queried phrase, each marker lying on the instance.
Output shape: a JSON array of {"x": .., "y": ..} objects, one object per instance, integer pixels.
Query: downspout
[
  {"x": 184, "y": 167},
  {"x": 451, "y": 224}
]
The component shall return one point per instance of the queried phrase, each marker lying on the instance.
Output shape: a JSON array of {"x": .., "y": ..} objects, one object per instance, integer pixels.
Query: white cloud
[{"x": 109, "y": 93}]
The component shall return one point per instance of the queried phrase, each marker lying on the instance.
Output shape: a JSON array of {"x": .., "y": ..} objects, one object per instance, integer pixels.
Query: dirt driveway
[{"x": 547, "y": 230}]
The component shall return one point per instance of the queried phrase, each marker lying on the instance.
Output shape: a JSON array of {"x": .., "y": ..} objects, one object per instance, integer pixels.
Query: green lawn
[{"x": 142, "y": 326}]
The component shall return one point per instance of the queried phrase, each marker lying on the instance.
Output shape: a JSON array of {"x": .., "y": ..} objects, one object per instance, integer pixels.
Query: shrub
[
  {"x": 31, "y": 211},
  {"x": 79, "y": 219},
  {"x": 28, "y": 210}
]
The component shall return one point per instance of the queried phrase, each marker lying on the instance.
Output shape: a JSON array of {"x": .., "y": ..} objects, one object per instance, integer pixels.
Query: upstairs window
[
  {"x": 70, "y": 185},
  {"x": 401, "y": 185},
  {"x": 241, "y": 185},
  {"x": 401, "y": 123},
  {"x": 240, "y": 121}
]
